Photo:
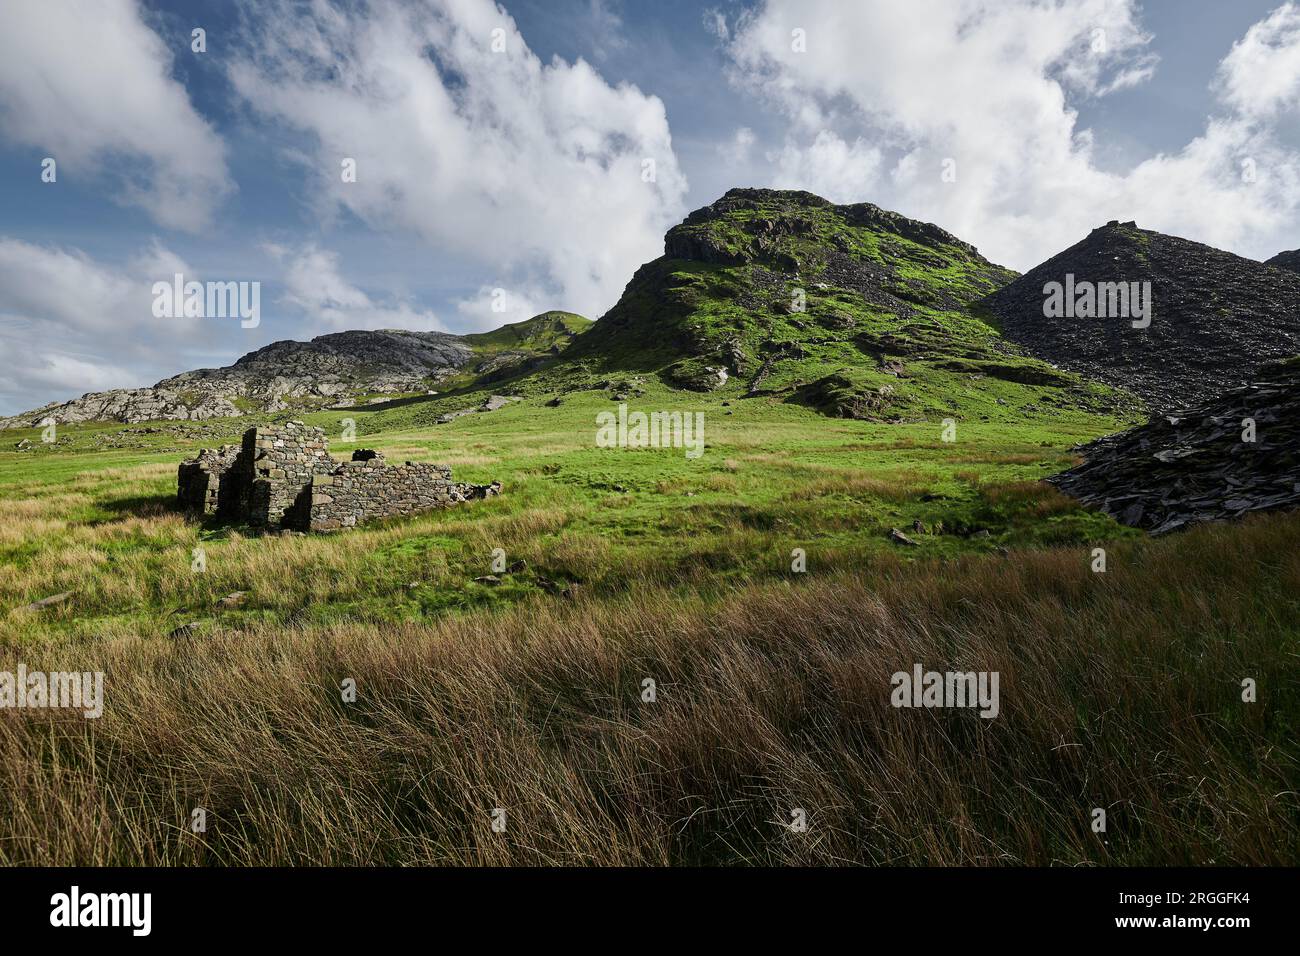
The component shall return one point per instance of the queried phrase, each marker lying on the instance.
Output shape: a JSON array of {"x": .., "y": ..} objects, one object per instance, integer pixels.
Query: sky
[{"x": 515, "y": 157}]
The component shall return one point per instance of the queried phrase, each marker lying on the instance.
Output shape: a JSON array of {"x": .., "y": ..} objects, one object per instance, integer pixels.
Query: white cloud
[
  {"x": 72, "y": 324},
  {"x": 604, "y": 30},
  {"x": 493, "y": 306},
  {"x": 330, "y": 303},
  {"x": 70, "y": 375},
  {"x": 65, "y": 287},
  {"x": 534, "y": 170},
  {"x": 839, "y": 171},
  {"x": 1260, "y": 77},
  {"x": 737, "y": 150},
  {"x": 89, "y": 83},
  {"x": 887, "y": 93},
  {"x": 715, "y": 22}
]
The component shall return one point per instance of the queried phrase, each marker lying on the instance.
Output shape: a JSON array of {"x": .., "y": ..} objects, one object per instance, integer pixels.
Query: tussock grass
[{"x": 1118, "y": 690}]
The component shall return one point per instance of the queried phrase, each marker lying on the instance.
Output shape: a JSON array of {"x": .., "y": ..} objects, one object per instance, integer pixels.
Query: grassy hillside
[
  {"x": 852, "y": 310},
  {"x": 541, "y": 332}
]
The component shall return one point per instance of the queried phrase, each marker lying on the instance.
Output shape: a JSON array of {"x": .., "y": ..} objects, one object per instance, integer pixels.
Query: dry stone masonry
[
  {"x": 198, "y": 483},
  {"x": 284, "y": 478}
]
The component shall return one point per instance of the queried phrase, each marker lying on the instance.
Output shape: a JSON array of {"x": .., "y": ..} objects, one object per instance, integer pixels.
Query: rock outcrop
[
  {"x": 128, "y": 405},
  {"x": 284, "y": 478},
  {"x": 340, "y": 370},
  {"x": 1216, "y": 317},
  {"x": 1237, "y": 453},
  {"x": 281, "y": 375},
  {"x": 1285, "y": 260}
]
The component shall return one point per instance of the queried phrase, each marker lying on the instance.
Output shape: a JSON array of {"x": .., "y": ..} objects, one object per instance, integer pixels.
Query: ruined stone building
[{"x": 284, "y": 478}]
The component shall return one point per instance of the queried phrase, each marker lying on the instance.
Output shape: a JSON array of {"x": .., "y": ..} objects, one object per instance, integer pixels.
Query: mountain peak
[
  {"x": 1215, "y": 316},
  {"x": 767, "y": 215},
  {"x": 852, "y": 309},
  {"x": 1286, "y": 260}
]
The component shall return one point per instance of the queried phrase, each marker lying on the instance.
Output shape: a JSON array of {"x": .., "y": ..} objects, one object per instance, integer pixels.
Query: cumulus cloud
[
  {"x": 542, "y": 174},
  {"x": 329, "y": 303},
  {"x": 737, "y": 153},
  {"x": 888, "y": 98},
  {"x": 90, "y": 84},
  {"x": 493, "y": 306},
  {"x": 1260, "y": 77},
  {"x": 71, "y": 324},
  {"x": 829, "y": 166}
]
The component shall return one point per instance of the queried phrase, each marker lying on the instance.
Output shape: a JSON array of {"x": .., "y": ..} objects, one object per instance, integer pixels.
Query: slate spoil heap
[
  {"x": 1217, "y": 318},
  {"x": 1196, "y": 465}
]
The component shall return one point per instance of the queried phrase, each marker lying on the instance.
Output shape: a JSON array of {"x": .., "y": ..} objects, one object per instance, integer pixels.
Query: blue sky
[{"x": 515, "y": 174}]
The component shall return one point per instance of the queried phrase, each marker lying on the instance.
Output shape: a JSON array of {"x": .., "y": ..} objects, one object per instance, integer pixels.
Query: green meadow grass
[{"x": 774, "y": 476}]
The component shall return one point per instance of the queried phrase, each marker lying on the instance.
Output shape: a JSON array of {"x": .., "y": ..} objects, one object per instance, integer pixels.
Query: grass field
[
  {"x": 1120, "y": 690},
  {"x": 774, "y": 477}
]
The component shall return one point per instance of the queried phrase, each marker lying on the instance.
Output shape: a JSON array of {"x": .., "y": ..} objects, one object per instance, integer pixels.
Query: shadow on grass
[{"x": 141, "y": 506}]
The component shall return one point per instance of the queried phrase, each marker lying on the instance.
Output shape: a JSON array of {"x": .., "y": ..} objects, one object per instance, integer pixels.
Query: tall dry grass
[{"x": 1118, "y": 690}]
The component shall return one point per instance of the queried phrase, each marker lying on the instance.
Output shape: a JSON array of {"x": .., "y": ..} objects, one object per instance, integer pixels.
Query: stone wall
[
  {"x": 367, "y": 488},
  {"x": 284, "y": 460},
  {"x": 198, "y": 482},
  {"x": 284, "y": 477}
]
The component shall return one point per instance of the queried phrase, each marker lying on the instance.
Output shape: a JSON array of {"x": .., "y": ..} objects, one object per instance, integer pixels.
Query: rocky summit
[
  {"x": 1285, "y": 260},
  {"x": 355, "y": 367},
  {"x": 329, "y": 368},
  {"x": 1236, "y": 453},
  {"x": 1216, "y": 317}
]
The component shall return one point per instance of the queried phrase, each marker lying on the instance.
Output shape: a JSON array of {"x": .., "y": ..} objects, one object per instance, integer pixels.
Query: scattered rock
[
  {"x": 48, "y": 602},
  {"x": 490, "y": 404},
  {"x": 898, "y": 537},
  {"x": 1194, "y": 466},
  {"x": 233, "y": 600}
]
